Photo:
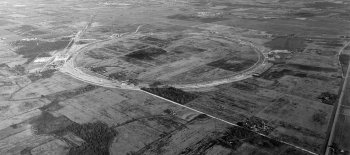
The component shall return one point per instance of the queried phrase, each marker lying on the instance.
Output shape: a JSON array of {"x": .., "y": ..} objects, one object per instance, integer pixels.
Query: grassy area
[
  {"x": 97, "y": 136},
  {"x": 171, "y": 93}
]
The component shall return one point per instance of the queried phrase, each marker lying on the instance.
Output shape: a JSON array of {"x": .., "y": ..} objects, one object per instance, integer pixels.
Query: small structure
[
  {"x": 42, "y": 59},
  {"x": 61, "y": 57},
  {"x": 279, "y": 56}
]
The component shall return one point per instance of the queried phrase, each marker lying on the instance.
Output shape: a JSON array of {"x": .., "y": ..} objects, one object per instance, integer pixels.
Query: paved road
[
  {"x": 70, "y": 68},
  {"x": 79, "y": 73},
  {"x": 245, "y": 74},
  {"x": 340, "y": 128},
  {"x": 260, "y": 64}
]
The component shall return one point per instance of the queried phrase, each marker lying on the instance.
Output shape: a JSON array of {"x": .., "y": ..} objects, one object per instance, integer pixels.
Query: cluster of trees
[
  {"x": 233, "y": 136},
  {"x": 244, "y": 86},
  {"x": 256, "y": 124},
  {"x": 42, "y": 75},
  {"x": 32, "y": 48},
  {"x": 81, "y": 90},
  {"x": 155, "y": 41},
  {"x": 133, "y": 81},
  {"x": 328, "y": 98},
  {"x": 46, "y": 123},
  {"x": 320, "y": 117},
  {"x": 71, "y": 93},
  {"x": 96, "y": 55},
  {"x": 156, "y": 84},
  {"x": 98, "y": 69},
  {"x": 171, "y": 93},
  {"x": 47, "y": 73},
  {"x": 19, "y": 69},
  {"x": 97, "y": 136},
  {"x": 121, "y": 76}
]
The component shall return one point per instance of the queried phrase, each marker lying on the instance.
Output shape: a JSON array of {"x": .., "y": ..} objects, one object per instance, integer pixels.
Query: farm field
[{"x": 129, "y": 77}]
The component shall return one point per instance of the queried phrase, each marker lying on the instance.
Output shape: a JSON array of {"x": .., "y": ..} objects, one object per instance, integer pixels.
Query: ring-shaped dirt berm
[{"x": 171, "y": 59}]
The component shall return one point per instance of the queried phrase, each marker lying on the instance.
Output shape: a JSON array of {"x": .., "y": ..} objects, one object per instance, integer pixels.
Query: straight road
[
  {"x": 219, "y": 119},
  {"x": 339, "y": 136}
]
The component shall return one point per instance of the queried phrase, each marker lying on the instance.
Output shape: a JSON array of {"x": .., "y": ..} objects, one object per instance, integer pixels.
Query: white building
[{"x": 42, "y": 59}]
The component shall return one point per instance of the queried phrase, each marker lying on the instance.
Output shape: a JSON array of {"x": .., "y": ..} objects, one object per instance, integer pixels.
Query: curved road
[
  {"x": 343, "y": 101},
  {"x": 247, "y": 73},
  {"x": 76, "y": 72}
]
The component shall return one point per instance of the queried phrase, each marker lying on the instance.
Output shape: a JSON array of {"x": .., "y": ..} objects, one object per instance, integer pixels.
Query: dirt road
[{"x": 342, "y": 137}]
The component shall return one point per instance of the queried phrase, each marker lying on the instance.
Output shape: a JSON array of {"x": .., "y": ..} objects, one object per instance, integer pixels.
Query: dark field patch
[
  {"x": 328, "y": 98},
  {"x": 104, "y": 29},
  {"x": 47, "y": 73},
  {"x": 60, "y": 96},
  {"x": 165, "y": 28},
  {"x": 3, "y": 84},
  {"x": 108, "y": 51},
  {"x": 327, "y": 53},
  {"x": 46, "y": 123},
  {"x": 117, "y": 48},
  {"x": 276, "y": 74},
  {"x": 344, "y": 15},
  {"x": 36, "y": 32},
  {"x": 196, "y": 18},
  {"x": 27, "y": 30},
  {"x": 44, "y": 55},
  {"x": 313, "y": 68},
  {"x": 293, "y": 151},
  {"x": 26, "y": 151},
  {"x": 287, "y": 43},
  {"x": 174, "y": 94},
  {"x": 5, "y": 22},
  {"x": 264, "y": 142},
  {"x": 235, "y": 137},
  {"x": 257, "y": 124},
  {"x": 3, "y": 65},
  {"x": 323, "y": 5},
  {"x": 221, "y": 98},
  {"x": 187, "y": 49},
  {"x": 168, "y": 123},
  {"x": 344, "y": 60},
  {"x": 53, "y": 106},
  {"x": 121, "y": 76},
  {"x": 232, "y": 64},
  {"x": 137, "y": 46},
  {"x": 202, "y": 117},
  {"x": 198, "y": 2},
  {"x": 244, "y": 86},
  {"x": 96, "y": 54},
  {"x": 42, "y": 75},
  {"x": 24, "y": 28},
  {"x": 304, "y": 14},
  {"x": 97, "y": 136},
  {"x": 19, "y": 69},
  {"x": 146, "y": 54},
  {"x": 99, "y": 70},
  {"x": 155, "y": 41},
  {"x": 200, "y": 147},
  {"x": 31, "y": 49},
  {"x": 331, "y": 43},
  {"x": 137, "y": 62}
]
